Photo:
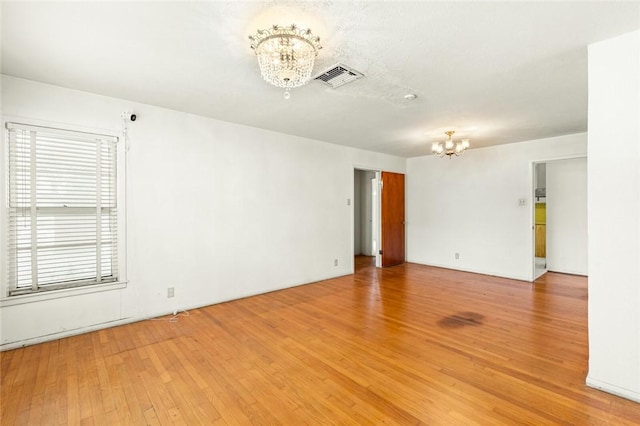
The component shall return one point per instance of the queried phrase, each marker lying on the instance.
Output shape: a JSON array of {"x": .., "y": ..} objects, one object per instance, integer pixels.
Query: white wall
[
  {"x": 567, "y": 216},
  {"x": 217, "y": 210},
  {"x": 469, "y": 205},
  {"x": 614, "y": 215}
]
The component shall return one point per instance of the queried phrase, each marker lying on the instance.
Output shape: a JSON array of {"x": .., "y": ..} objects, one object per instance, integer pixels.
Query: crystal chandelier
[
  {"x": 285, "y": 55},
  {"x": 450, "y": 148}
]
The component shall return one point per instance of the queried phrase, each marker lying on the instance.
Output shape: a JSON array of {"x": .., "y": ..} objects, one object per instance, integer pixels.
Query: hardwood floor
[{"x": 404, "y": 345}]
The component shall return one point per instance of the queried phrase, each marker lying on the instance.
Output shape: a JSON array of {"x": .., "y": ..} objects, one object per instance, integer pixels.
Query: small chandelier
[
  {"x": 286, "y": 55},
  {"x": 448, "y": 147}
]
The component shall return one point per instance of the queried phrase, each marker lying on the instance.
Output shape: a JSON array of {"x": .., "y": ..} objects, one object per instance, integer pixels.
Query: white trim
[
  {"x": 539, "y": 274},
  {"x": 32, "y": 211},
  {"x": 12, "y": 125},
  {"x": 42, "y": 296},
  {"x": 66, "y": 333},
  {"x": 564, "y": 157},
  {"x": 378, "y": 223},
  {"x": 28, "y": 121},
  {"x": 377, "y": 171},
  {"x": 4, "y": 211},
  {"x": 99, "y": 210},
  {"x": 613, "y": 389},
  {"x": 121, "y": 183},
  {"x": 531, "y": 199},
  {"x": 475, "y": 271},
  {"x": 568, "y": 272}
]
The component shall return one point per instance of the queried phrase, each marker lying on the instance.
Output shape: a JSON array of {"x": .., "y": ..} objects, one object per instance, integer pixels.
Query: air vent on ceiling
[{"x": 338, "y": 75}]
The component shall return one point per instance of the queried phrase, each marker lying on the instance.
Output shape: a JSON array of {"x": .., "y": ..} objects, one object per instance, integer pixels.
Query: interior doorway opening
[
  {"x": 366, "y": 218},
  {"x": 540, "y": 219},
  {"x": 560, "y": 216}
]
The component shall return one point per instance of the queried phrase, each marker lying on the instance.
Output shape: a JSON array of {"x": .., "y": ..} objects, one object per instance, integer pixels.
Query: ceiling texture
[{"x": 495, "y": 72}]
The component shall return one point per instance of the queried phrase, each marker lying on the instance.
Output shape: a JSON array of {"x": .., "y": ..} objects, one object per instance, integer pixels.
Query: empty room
[{"x": 282, "y": 212}]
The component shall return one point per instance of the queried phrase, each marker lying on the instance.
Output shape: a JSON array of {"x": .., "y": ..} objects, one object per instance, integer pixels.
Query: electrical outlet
[
  {"x": 335, "y": 262},
  {"x": 457, "y": 256},
  {"x": 170, "y": 292}
]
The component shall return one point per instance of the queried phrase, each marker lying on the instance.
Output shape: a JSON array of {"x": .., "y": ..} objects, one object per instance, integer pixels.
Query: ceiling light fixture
[
  {"x": 449, "y": 147},
  {"x": 286, "y": 55}
]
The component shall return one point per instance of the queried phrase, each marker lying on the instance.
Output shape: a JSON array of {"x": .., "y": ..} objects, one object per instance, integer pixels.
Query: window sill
[{"x": 57, "y": 294}]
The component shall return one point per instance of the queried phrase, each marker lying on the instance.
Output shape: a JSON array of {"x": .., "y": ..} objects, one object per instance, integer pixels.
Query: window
[{"x": 62, "y": 209}]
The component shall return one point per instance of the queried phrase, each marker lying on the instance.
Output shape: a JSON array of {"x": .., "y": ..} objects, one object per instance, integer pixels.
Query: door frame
[
  {"x": 376, "y": 225},
  {"x": 533, "y": 219},
  {"x": 532, "y": 204}
]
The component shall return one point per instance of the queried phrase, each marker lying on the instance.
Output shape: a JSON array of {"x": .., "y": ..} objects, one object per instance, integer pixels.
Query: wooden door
[
  {"x": 541, "y": 240},
  {"x": 392, "y": 219}
]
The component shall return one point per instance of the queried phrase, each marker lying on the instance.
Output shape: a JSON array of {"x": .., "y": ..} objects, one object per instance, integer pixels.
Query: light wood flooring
[{"x": 408, "y": 344}]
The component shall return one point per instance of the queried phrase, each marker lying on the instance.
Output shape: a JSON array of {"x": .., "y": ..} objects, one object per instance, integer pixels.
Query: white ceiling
[{"x": 495, "y": 72}]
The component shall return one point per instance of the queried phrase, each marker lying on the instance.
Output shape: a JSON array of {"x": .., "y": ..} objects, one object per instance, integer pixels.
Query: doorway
[
  {"x": 560, "y": 216},
  {"x": 540, "y": 219},
  {"x": 378, "y": 218},
  {"x": 366, "y": 222}
]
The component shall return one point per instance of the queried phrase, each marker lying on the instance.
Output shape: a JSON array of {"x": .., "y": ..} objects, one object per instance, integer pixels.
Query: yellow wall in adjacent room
[{"x": 541, "y": 213}]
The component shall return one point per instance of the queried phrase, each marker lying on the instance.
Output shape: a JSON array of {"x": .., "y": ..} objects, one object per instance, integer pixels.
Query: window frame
[{"x": 9, "y": 296}]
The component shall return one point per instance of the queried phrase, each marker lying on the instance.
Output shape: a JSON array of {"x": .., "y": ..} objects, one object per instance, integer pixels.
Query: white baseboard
[
  {"x": 613, "y": 389},
  {"x": 475, "y": 271},
  {"x": 567, "y": 271},
  {"x": 66, "y": 333},
  {"x": 94, "y": 327}
]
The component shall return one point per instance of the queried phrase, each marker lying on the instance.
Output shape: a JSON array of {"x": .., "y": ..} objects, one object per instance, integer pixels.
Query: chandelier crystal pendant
[
  {"x": 286, "y": 55},
  {"x": 449, "y": 147}
]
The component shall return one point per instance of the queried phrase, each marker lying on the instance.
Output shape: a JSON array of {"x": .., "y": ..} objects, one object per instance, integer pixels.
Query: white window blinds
[{"x": 62, "y": 209}]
